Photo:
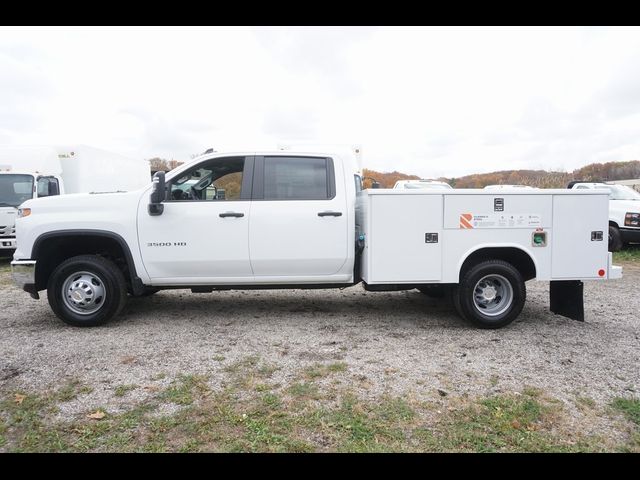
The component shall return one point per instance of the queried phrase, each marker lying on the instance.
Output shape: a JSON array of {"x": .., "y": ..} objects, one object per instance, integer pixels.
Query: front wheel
[
  {"x": 491, "y": 294},
  {"x": 615, "y": 239},
  {"x": 86, "y": 291}
]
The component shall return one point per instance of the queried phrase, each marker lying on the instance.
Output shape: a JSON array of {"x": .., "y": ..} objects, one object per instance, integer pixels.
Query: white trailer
[
  {"x": 28, "y": 172},
  {"x": 88, "y": 169},
  {"x": 302, "y": 220}
]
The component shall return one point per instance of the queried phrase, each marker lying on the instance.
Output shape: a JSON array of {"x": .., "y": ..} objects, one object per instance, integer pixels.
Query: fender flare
[
  {"x": 136, "y": 283},
  {"x": 477, "y": 248}
]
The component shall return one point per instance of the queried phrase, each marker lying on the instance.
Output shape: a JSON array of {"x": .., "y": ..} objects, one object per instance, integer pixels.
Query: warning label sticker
[{"x": 500, "y": 220}]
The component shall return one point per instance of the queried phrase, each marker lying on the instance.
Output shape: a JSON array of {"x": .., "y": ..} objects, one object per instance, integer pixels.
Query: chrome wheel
[
  {"x": 493, "y": 295},
  {"x": 83, "y": 293}
]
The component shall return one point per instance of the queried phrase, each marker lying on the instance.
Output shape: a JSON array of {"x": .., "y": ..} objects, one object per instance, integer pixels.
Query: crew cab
[{"x": 302, "y": 220}]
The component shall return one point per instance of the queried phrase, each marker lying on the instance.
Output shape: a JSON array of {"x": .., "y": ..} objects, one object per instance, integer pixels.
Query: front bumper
[
  {"x": 7, "y": 243},
  {"x": 630, "y": 235},
  {"x": 23, "y": 273}
]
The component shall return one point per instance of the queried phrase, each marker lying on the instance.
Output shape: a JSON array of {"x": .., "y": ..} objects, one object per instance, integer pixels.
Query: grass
[
  {"x": 184, "y": 389},
  {"x": 5, "y": 272},
  {"x": 250, "y": 373},
  {"x": 319, "y": 370},
  {"x": 254, "y": 416},
  {"x": 629, "y": 407},
  {"x": 267, "y": 423},
  {"x": 304, "y": 390},
  {"x": 629, "y": 254},
  {"x": 121, "y": 390},
  {"x": 71, "y": 390}
]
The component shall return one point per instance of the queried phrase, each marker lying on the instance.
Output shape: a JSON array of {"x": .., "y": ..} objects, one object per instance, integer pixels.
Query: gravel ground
[{"x": 399, "y": 343}]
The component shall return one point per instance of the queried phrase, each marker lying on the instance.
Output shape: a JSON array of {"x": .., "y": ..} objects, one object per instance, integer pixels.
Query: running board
[{"x": 566, "y": 298}]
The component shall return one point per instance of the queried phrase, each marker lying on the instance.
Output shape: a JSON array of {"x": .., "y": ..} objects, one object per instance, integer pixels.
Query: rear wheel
[
  {"x": 86, "y": 291},
  {"x": 615, "y": 239},
  {"x": 491, "y": 294}
]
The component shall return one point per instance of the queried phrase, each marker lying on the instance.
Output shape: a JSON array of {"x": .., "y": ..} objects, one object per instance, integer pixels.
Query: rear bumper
[
  {"x": 630, "y": 235},
  {"x": 23, "y": 273},
  {"x": 614, "y": 271},
  {"x": 7, "y": 243}
]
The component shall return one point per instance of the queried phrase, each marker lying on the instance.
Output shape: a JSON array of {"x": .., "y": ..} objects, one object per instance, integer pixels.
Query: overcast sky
[{"x": 429, "y": 101}]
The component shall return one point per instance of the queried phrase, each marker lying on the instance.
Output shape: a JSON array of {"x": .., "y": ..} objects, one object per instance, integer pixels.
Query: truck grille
[{"x": 7, "y": 231}]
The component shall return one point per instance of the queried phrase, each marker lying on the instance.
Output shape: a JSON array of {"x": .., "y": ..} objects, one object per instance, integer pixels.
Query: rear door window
[{"x": 298, "y": 178}]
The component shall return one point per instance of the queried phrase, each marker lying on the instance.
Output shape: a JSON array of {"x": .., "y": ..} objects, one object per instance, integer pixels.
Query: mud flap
[{"x": 567, "y": 299}]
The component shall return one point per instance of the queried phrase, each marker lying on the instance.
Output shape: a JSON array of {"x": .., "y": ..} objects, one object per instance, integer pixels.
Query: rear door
[{"x": 299, "y": 217}]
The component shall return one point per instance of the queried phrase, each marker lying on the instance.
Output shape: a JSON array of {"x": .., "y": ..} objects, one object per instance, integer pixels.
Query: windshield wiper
[{"x": 5, "y": 204}]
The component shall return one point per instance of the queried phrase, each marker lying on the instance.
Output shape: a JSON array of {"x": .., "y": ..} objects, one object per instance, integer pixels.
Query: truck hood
[
  {"x": 626, "y": 205},
  {"x": 82, "y": 202}
]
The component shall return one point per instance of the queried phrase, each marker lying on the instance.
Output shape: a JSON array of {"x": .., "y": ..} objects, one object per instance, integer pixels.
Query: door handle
[
  {"x": 329, "y": 214},
  {"x": 231, "y": 214}
]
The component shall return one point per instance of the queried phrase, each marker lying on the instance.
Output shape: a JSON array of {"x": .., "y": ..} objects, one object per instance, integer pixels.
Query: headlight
[
  {"x": 24, "y": 212},
  {"x": 632, "y": 219}
]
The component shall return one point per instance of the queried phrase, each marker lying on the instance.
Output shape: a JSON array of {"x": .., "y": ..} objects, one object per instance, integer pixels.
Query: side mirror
[{"x": 157, "y": 195}]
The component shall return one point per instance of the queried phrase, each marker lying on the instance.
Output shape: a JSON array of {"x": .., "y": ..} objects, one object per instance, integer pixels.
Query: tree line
[{"x": 595, "y": 172}]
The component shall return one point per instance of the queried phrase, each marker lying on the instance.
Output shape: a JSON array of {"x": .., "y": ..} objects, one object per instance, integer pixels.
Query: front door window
[{"x": 216, "y": 180}]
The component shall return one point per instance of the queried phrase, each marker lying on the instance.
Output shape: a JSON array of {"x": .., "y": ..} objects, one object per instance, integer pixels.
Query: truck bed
[{"x": 424, "y": 236}]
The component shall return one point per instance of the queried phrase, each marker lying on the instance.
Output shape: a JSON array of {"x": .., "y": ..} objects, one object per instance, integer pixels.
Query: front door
[{"x": 202, "y": 235}]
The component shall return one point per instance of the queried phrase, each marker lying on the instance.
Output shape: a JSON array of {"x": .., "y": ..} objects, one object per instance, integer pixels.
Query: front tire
[
  {"x": 615, "y": 239},
  {"x": 86, "y": 291},
  {"x": 491, "y": 294}
]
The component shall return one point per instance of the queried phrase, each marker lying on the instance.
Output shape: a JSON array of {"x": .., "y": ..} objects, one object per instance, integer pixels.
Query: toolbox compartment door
[
  {"x": 405, "y": 240},
  {"x": 576, "y": 218}
]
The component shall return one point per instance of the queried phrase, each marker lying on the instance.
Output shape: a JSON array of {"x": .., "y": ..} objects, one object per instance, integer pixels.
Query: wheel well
[
  {"x": 53, "y": 249},
  {"x": 516, "y": 257},
  {"x": 613, "y": 224}
]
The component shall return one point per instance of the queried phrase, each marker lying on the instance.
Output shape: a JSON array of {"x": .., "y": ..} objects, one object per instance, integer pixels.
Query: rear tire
[
  {"x": 490, "y": 294},
  {"x": 615, "y": 239},
  {"x": 86, "y": 291}
]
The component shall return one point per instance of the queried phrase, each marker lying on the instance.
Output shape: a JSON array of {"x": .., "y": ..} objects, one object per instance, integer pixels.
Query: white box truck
[
  {"x": 302, "y": 220},
  {"x": 29, "y": 172}
]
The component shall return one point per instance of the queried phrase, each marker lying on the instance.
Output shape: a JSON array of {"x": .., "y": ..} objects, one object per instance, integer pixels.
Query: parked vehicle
[
  {"x": 34, "y": 172},
  {"x": 508, "y": 187},
  {"x": 302, "y": 220},
  {"x": 624, "y": 212},
  {"x": 413, "y": 184}
]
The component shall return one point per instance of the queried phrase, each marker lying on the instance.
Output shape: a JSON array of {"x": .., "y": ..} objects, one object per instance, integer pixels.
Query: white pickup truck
[
  {"x": 624, "y": 212},
  {"x": 302, "y": 220}
]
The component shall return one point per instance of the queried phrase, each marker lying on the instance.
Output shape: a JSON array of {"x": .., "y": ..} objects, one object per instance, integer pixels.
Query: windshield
[
  {"x": 621, "y": 192},
  {"x": 15, "y": 189}
]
